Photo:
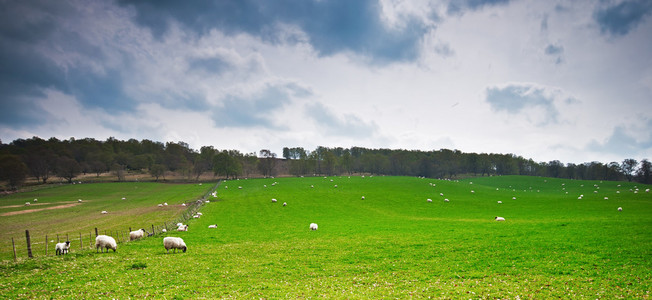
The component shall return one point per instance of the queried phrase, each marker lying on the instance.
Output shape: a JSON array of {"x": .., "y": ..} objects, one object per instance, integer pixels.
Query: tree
[
  {"x": 68, "y": 168},
  {"x": 266, "y": 162},
  {"x": 644, "y": 172},
  {"x": 118, "y": 171},
  {"x": 157, "y": 170},
  {"x": 13, "y": 170},
  {"x": 628, "y": 167}
]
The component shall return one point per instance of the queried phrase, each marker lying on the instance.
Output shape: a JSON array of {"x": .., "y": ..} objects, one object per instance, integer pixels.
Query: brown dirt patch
[{"x": 12, "y": 213}]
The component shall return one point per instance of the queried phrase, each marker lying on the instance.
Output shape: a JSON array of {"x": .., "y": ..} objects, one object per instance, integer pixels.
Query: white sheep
[
  {"x": 472, "y": 191},
  {"x": 182, "y": 228},
  {"x": 212, "y": 226},
  {"x": 200, "y": 214},
  {"x": 27, "y": 204},
  {"x": 313, "y": 226},
  {"x": 499, "y": 219},
  {"x": 606, "y": 198},
  {"x": 179, "y": 224},
  {"x": 196, "y": 216},
  {"x": 273, "y": 200},
  {"x": 62, "y": 248},
  {"x": 165, "y": 204},
  {"x": 79, "y": 200},
  {"x": 513, "y": 198},
  {"x": 620, "y": 209},
  {"x": 441, "y": 194},
  {"x": 105, "y": 242},
  {"x": 647, "y": 190},
  {"x": 362, "y": 197},
  {"x": 446, "y": 200},
  {"x": 123, "y": 198},
  {"x": 336, "y": 185},
  {"x": 285, "y": 204},
  {"x": 35, "y": 200},
  {"x": 183, "y": 204},
  {"x": 428, "y": 200},
  {"x": 174, "y": 243},
  {"x": 239, "y": 187},
  {"x": 500, "y": 202},
  {"x": 104, "y": 212},
  {"x": 160, "y": 205},
  {"x": 312, "y": 186},
  {"x": 134, "y": 235},
  {"x": 164, "y": 230}
]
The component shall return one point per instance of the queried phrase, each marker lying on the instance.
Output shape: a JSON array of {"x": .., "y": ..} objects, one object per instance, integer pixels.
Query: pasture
[{"x": 392, "y": 244}]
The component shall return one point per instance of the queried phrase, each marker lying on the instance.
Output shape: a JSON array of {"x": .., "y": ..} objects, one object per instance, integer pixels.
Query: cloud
[
  {"x": 457, "y": 7},
  {"x": 515, "y": 98},
  {"x": 555, "y": 52},
  {"x": 348, "y": 126},
  {"x": 257, "y": 109},
  {"x": 619, "y": 19},
  {"x": 330, "y": 26},
  {"x": 623, "y": 143}
]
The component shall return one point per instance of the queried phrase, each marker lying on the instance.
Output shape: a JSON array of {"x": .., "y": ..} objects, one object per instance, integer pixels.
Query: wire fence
[{"x": 32, "y": 246}]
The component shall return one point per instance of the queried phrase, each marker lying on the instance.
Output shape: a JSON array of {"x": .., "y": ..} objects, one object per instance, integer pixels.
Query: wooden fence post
[
  {"x": 29, "y": 244},
  {"x": 96, "y": 232},
  {"x": 90, "y": 240},
  {"x": 14, "y": 246},
  {"x": 153, "y": 232}
]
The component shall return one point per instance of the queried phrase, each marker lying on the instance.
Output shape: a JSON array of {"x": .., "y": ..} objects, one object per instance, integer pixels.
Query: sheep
[
  {"x": 606, "y": 198},
  {"x": 183, "y": 204},
  {"x": 27, "y": 204},
  {"x": 428, "y": 200},
  {"x": 441, "y": 194},
  {"x": 500, "y": 202},
  {"x": 182, "y": 228},
  {"x": 312, "y": 186},
  {"x": 164, "y": 230},
  {"x": 313, "y": 226},
  {"x": 200, "y": 214},
  {"x": 446, "y": 200},
  {"x": 499, "y": 219},
  {"x": 513, "y": 198},
  {"x": 212, "y": 226},
  {"x": 165, "y": 204},
  {"x": 35, "y": 200},
  {"x": 647, "y": 190},
  {"x": 336, "y": 185},
  {"x": 62, "y": 248},
  {"x": 105, "y": 242},
  {"x": 239, "y": 187},
  {"x": 79, "y": 200},
  {"x": 196, "y": 216},
  {"x": 123, "y": 198},
  {"x": 620, "y": 209},
  {"x": 104, "y": 212},
  {"x": 174, "y": 243},
  {"x": 362, "y": 197},
  {"x": 472, "y": 191},
  {"x": 134, "y": 235},
  {"x": 273, "y": 200},
  {"x": 160, "y": 205},
  {"x": 285, "y": 204}
]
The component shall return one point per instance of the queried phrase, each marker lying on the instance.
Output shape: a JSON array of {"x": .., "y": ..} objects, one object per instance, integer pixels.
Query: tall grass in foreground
[{"x": 391, "y": 244}]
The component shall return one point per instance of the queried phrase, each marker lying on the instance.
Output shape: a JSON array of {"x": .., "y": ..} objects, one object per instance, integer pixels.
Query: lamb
[
  {"x": 285, "y": 204},
  {"x": 212, "y": 226},
  {"x": 362, "y": 197},
  {"x": 27, "y": 204},
  {"x": 313, "y": 226},
  {"x": 273, "y": 200},
  {"x": 79, "y": 200},
  {"x": 174, "y": 243},
  {"x": 620, "y": 209},
  {"x": 134, "y": 235},
  {"x": 429, "y": 200},
  {"x": 500, "y": 202},
  {"x": 105, "y": 242},
  {"x": 446, "y": 200},
  {"x": 104, "y": 212},
  {"x": 499, "y": 219},
  {"x": 35, "y": 199},
  {"x": 182, "y": 228},
  {"x": 62, "y": 248}
]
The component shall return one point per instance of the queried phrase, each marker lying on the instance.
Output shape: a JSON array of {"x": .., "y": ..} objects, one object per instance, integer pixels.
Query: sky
[{"x": 547, "y": 80}]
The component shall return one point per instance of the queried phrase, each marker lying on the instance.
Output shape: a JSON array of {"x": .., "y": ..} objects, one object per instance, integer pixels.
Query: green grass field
[{"x": 392, "y": 244}]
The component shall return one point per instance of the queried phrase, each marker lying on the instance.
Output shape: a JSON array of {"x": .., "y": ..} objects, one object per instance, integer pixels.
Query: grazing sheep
[
  {"x": 164, "y": 230},
  {"x": 499, "y": 219},
  {"x": 160, "y": 205},
  {"x": 606, "y": 198},
  {"x": 79, "y": 200},
  {"x": 428, "y": 200},
  {"x": 212, "y": 226},
  {"x": 313, "y": 226},
  {"x": 620, "y": 209},
  {"x": 104, "y": 212},
  {"x": 362, "y": 197},
  {"x": 182, "y": 228},
  {"x": 27, "y": 204},
  {"x": 647, "y": 190},
  {"x": 196, "y": 216},
  {"x": 273, "y": 200},
  {"x": 200, "y": 214},
  {"x": 165, "y": 204},
  {"x": 312, "y": 186},
  {"x": 62, "y": 248},
  {"x": 134, "y": 235},
  {"x": 513, "y": 198},
  {"x": 183, "y": 204},
  {"x": 174, "y": 243},
  {"x": 285, "y": 204},
  {"x": 446, "y": 200},
  {"x": 441, "y": 194},
  {"x": 500, "y": 202},
  {"x": 472, "y": 191},
  {"x": 105, "y": 242},
  {"x": 336, "y": 185},
  {"x": 123, "y": 198},
  {"x": 35, "y": 200},
  {"x": 239, "y": 187}
]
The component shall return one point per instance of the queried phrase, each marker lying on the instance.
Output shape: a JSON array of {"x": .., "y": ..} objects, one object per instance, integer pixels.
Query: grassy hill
[{"x": 391, "y": 244}]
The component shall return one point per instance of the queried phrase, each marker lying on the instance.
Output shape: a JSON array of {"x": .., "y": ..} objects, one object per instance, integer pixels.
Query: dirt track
[{"x": 11, "y": 213}]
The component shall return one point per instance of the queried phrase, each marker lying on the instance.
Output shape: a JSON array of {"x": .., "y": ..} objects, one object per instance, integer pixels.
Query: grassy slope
[
  {"x": 392, "y": 244},
  {"x": 139, "y": 210}
]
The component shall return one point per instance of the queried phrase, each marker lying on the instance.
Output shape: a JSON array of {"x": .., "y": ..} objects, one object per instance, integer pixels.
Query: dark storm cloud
[
  {"x": 619, "y": 19},
  {"x": 331, "y": 26}
]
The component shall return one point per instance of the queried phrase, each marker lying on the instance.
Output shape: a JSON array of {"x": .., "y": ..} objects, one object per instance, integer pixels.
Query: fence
[{"x": 86, "y": 240}]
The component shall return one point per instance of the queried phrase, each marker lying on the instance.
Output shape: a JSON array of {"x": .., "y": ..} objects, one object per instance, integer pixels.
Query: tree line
[{"x": 67, "y": 159}]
